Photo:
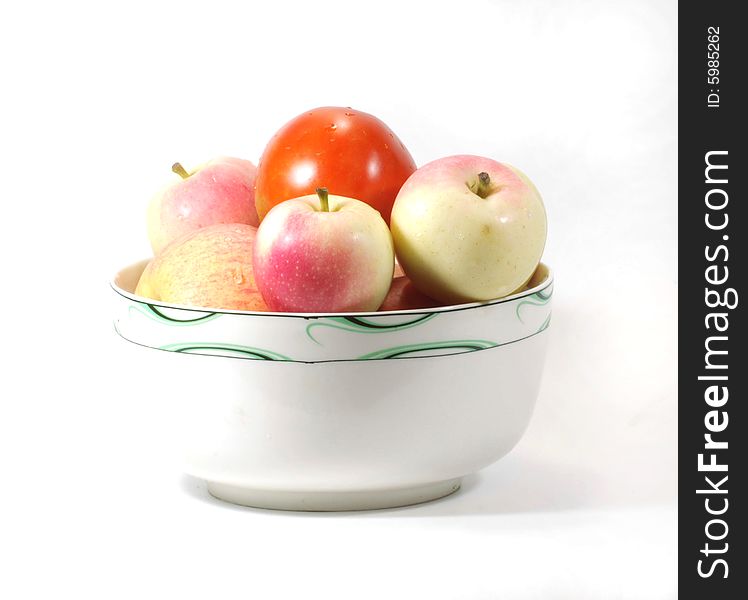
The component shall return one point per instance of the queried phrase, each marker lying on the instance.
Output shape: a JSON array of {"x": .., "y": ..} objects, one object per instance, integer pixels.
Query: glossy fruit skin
[
  {"x": 349, "y": 152},
  {"x": 219, "y": 191},
  {"x": 457, "y": 245},
  {"x": 209, "y": 267},
  {"x": 307, "y": 260},
  {"x": 403, "y": 295}
]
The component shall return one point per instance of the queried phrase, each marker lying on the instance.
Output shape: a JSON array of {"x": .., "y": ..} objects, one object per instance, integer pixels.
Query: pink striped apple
[
  {"x": 210, "y": 267},
  {"x": 220, "y": 191},
  {"x": 321, "y": 253},
  {"x": 468, "y": 228}
]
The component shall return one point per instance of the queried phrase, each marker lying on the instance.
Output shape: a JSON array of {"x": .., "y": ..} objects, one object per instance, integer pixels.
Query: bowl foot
[{"x": 332, "y": 501}]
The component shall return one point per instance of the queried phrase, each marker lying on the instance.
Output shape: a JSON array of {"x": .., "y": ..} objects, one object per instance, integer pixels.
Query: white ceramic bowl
[{"x": 344, "y": 411}]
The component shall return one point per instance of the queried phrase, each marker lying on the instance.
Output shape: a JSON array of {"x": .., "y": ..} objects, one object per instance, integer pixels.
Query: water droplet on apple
[{"x": 332, "y": 127}]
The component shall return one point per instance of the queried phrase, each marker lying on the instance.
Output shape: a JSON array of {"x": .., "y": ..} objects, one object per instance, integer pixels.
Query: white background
[{"x": 100, "y": 99}]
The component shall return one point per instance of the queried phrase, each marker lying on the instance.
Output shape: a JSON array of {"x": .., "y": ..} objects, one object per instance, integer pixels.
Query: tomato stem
[
  {"x": 322, "y": 195},
  {"x": 180, "y": 170}
]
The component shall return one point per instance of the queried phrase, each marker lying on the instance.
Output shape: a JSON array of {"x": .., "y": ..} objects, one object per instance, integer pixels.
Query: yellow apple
[{"x": 468, "y": 228}]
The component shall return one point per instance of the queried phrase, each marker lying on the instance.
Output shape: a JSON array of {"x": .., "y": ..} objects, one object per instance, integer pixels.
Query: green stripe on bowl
[
  {"x": 540, "y": 298},
  {"x": 361, "y": 325},
  {"x": 155, "y": 314},
  {"x": 398, "y": 351},
  {"x": 233, "y": 349}
]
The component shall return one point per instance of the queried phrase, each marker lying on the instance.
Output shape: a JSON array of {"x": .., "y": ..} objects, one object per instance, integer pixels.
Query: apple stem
[
  {"x": 180, "y": 170},
  {"x": 482, "y": 186},
  {"x": 322, "y": 194}
]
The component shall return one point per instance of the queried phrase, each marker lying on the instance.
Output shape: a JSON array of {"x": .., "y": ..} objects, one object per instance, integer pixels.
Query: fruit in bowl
[
  {"x": 220, "y": 191},
  {"x": 468, "y": 228},
  {"x": 316, "y": 363},
  {"x": 209, "y": 267},
  {"x": 348, "y": 151},
  {"x": 403, "y": 295},
  {"x": 323, "y": 253}
]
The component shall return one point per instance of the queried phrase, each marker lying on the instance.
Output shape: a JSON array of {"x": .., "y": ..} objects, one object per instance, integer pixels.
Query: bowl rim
[{"x": 544, "y": 283}]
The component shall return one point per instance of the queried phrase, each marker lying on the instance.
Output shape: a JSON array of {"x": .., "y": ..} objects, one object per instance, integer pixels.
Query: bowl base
[{"x": 332, "y": 501}]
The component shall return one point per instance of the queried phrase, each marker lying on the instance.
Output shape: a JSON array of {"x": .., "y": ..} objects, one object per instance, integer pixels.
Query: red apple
[
  {"x": 220, "y": 191},
  {"x": 403, "y": 295},
  {"x": 210, "y": 267},
  {"x": 323, "y": 254}
]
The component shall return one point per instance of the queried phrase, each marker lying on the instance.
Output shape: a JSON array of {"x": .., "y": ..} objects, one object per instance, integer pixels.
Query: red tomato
[{"x": 349, "y": 152}]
